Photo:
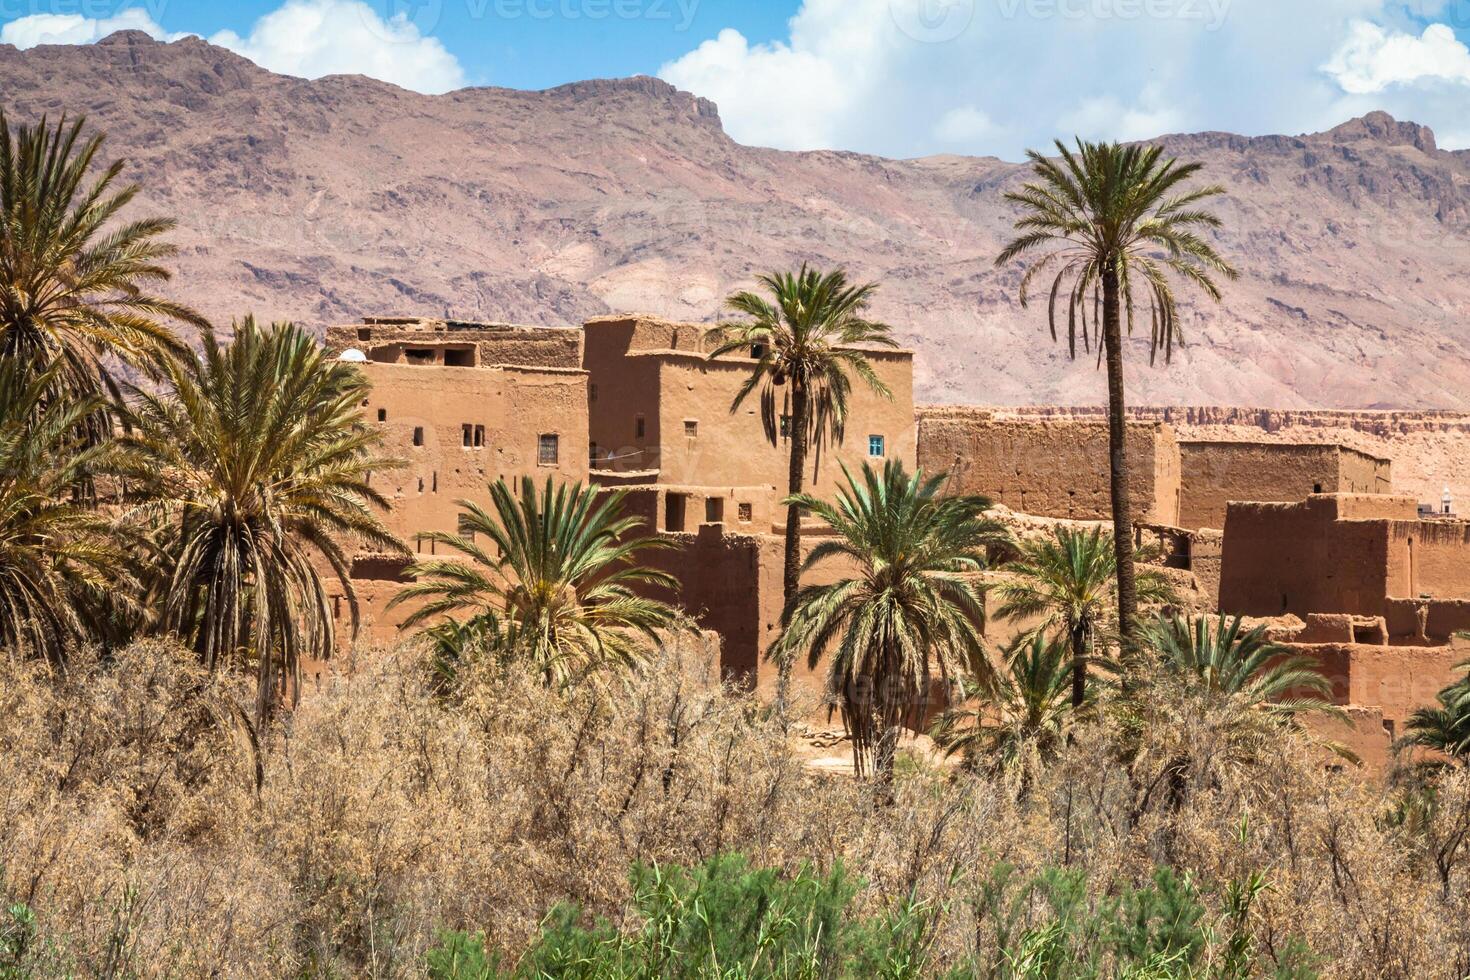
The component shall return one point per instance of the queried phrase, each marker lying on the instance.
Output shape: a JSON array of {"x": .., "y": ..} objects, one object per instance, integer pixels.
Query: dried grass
[{"x": 132, "y": 822}]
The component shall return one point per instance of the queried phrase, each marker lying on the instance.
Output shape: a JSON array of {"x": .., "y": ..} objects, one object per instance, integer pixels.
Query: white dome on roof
[{"x": 352, "y": 354}]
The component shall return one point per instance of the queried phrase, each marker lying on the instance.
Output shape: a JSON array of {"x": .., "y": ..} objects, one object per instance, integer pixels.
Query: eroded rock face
[{"x": 325, "y": 200}]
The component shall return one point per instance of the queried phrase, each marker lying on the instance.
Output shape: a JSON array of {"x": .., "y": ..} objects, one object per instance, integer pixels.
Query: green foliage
[
  {"x": 74, "y": 286},
  {"x": 807, "y": 333},
  {"x": 1019, "y": 721},
  {"x": 1068, "y": 581},
  {"x": 908, "y": 614},
  {"x": 58, "y": 556},
  {"x": 722, "y": 919},
  {"x": 461, "y": 956},
  {"x": 255, "y": 465},
  {"x": 1444, "y": 728},
  {"x": 17, "y": 933},
  {"x": 1048, "y": 928},
  {"x": 1108, "y": 210},
  {"x": 555, "y": 589}
]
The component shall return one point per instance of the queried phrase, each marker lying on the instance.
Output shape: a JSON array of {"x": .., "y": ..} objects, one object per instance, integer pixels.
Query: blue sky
[{"x": 897, "y": 77}]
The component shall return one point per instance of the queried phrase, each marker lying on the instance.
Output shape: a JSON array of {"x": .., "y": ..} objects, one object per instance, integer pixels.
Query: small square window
[
  {"x": 382, "y": 415},
  {"x": 418, "y": 435},
  {"x": 466, "y": 529},
  {"x": 467, "y": 435},
  {"x": 745, "y": 512},
  {"x": 548, "y": 449},
  {"x": 479, "y": 437},
  {"x": 638, "y": 427},
  {"x": 364, "y": 333},
  {"x": 691, "y": 428},
  {"x": 875, "y": 446}
]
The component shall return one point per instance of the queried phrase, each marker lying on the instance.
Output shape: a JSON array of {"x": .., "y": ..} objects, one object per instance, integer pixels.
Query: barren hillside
[{"x": 325, "y": 200}]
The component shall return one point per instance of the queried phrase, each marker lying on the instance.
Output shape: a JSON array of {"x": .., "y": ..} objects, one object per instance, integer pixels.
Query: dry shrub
[{"x": 388, "y": 811}]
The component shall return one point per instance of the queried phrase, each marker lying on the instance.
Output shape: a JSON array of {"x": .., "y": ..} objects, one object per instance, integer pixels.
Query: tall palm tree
[
  {"x": 1112, "y": 218},
  {"x": 909, "y": 612},
  {"x": 806, "y": 334},
  {"x": 74, "y": 286},
  {"x": 1020, "y": 720},
  {"x": 58, "y": 558},
  {"x": 1446, "y": 727},
  {"x": 556, "y": 589},
  {"x": 256, "y": 465},
  {"x": 1068, "y": 579}
]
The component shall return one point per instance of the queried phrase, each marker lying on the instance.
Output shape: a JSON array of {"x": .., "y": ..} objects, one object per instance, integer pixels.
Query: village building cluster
[{"x": 1309, "y": 536}]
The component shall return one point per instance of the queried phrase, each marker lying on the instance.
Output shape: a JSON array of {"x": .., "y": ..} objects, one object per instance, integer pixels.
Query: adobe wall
[
  {"x": 1049, "y": 467},
  {"x": 1362, "y": 473},
  {"x": 1381, "y": 686},
  {"x": 1216, "y": 472},
  {"x": 515, "y": 406},
  {"x": 392, "y": 339},
  {"x": 1348, "y": 553},
  {"x": 741, "y": 510},
  {"x": 688, "y": 433},
  {"x": 1300, "y": 558},
  {"x": 1426, "y": 447},
  {"x": 1429, "y": 559}
]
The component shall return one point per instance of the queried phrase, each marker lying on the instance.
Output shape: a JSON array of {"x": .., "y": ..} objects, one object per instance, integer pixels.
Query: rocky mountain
[{"x": 325, "y": 200}]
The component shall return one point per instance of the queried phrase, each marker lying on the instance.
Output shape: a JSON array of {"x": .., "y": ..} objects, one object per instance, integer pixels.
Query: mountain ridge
[{"x": 325, "y": 200}]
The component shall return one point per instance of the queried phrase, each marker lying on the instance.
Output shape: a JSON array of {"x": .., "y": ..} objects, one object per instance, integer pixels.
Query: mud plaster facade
[
  {"x": 1214, "y": 473},
  {"x": 660, "y": 412},
  {"x": 1050, "y": 467},
  {"x": 1356, "y": 554},
  {"x": 458, "y": 428},
  {"x": 637, "y": 403}
]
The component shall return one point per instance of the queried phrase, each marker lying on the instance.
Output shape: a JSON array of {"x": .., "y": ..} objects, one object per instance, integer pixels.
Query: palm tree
[
  {"x": 806, "y": 333},
  {"x": 1020, "y": 720},
  {"x": 908, "y": 612},
  {"x": 558, "y": 591},
  {"x": 256, "y": 465},
  {"x": 1114, "y": 217},
  {"x": 1244, "y": 687},
  {"x": 1068, "y": 579},
  {"x": 58, "y": 558},
  {"x": 74, "y": 292},
  {"x": 1445, "y": 728}
]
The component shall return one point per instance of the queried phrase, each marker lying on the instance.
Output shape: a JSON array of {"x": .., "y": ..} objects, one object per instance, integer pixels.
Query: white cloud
[
  {"x": 27, "y": 32},
  {"x": 996, "y": 76},
  {"x": 309, "y": 38},
  {"x": 312, "y": 38},
  {"x": 1372, "y": 59}
]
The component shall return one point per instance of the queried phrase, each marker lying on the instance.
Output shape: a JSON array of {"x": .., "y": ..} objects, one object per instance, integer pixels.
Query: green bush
[
  {"x": 1048, "y": 929},
  {"x": 721, "y": 919}
]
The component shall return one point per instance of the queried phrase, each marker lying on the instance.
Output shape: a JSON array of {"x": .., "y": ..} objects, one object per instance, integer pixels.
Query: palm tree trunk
[
  {"x": 791, "y": 575},
  {"x": 1079, "y": 665},
  {"x": 1118, "y": 455}
]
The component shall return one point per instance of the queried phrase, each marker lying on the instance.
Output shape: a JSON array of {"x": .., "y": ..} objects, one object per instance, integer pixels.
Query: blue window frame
[{"x": 875, "y": 446}]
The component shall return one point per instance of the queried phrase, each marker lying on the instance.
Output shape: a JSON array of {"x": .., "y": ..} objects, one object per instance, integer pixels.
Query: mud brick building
[{"x": 1312, "y": 534}]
